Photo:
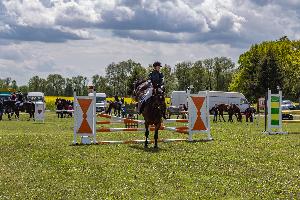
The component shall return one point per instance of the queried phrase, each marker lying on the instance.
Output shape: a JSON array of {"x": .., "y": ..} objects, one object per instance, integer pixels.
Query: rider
[
  {"x": 13, "y": 97},
  {"x": 20, "y": 96},
  {"x": 157, "y": 80},
  {"x": 116, "y": 98}
]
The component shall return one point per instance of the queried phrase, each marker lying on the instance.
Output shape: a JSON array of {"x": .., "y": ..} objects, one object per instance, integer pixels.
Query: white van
[
  {"x": 36, "y": 97},
  {"x": 220, "y": 97},
  {"x": 100, "y": 101}
]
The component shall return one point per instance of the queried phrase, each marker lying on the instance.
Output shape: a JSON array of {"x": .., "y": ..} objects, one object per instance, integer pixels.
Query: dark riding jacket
[
  {"x": 20, "y": 97},
  {"x": 157, "y": 78}
]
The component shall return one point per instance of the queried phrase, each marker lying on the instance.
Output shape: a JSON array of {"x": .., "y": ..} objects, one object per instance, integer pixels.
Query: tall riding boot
[
  {"x": 138, "y": 109},
  {"x": 142, "y": 107}
]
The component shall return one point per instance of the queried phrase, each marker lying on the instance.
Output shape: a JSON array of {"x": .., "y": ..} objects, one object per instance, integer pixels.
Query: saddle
[{"x": 141, "y": 88}]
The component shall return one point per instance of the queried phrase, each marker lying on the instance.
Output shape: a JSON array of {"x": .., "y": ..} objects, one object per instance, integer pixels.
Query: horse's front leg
[
  {"x": 17, "y": 115},
  {"x": 155, "y": 138},
  {"x": 146, "y": 135},
  {"x": 223, "y": 117}
]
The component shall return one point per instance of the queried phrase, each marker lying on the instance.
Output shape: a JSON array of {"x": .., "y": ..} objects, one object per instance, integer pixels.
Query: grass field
[{"x": 38, "y": 162}]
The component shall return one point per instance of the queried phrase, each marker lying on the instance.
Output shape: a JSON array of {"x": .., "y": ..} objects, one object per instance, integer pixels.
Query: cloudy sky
[{"x": 81, "y": 37}]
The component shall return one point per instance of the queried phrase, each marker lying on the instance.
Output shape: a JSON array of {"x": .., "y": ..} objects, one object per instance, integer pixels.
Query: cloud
[
  {"x": 58, "y": 21},
  {"x": 74, "y": 37},
  {"x": 26, "y": 33},
  {"x": 208, "y": 21}
]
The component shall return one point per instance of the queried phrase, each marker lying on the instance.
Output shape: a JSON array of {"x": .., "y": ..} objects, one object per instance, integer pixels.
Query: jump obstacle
[
  {"x": 274, "y": 115},
  {"x": 85, "y": 121}
]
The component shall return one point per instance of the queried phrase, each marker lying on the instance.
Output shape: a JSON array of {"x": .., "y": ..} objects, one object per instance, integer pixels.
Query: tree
[
  {"x": 197, "y": 72},
  {"x": 268, "y": 65},
  {"x": 269, "y": 75},
  {"x": 119, "y": 76},
  {"x": 37, "y": 84},
  {"x": 208, "y": 65},
  {"x": 169, "y": 79},
  {"x": 24, "y": 89},
  {"x": 101, "y": 85},
  {"x": 80, "y": 84},
  {"x": 14, "y": 85},
  {"x": 69, "y": 87},
  {"x": 183, "y": 75},
  {"x": 222, "y": 70},
  {"x": 138, "y": 73},
  {"x": 55, "y": 85}
]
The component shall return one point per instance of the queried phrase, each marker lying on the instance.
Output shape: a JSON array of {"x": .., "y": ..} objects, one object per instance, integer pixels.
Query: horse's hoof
[{"x": 155, "y": 147}]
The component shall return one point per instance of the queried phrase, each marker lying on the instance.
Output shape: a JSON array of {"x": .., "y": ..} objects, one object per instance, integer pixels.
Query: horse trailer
[{"x": 178, "y": 98}]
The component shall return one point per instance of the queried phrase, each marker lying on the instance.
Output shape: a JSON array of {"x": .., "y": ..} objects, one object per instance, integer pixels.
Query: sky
[{"x": 81, "y": 37}]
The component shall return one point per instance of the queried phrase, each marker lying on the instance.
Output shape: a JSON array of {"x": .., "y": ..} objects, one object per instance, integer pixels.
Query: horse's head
[{"x": 159, "y": 98}]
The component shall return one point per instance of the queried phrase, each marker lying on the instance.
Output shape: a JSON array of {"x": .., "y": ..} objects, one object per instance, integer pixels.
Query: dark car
[
  {"x": 286, "y": 116},
  {"x": 4, "y": 97},
  {"x": 289, "y": 104}
]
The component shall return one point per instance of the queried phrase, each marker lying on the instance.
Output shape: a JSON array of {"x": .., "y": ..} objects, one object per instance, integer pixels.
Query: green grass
[{"x": 38, "y": 162}]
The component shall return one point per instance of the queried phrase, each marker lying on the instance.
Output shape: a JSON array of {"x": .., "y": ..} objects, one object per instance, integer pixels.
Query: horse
[
  {"x": 179, "y": 111},
  {"x": 117, "y": 106},
  {"x": 249, "y": 114},
  {"x": 10, "y": 108},
  {"x": 221, "y": 109},
  {"x": 62, "y": 107},
  {"x": 153, "y": 110},
  {"x": 231, "y": 109},
  {"x": 235, "y": 110},
  {"x": 28, "y": 107}
]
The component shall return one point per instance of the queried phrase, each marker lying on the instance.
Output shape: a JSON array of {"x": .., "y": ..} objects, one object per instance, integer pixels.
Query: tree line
[
  {"x": 271, "y": 64},
  {"x": 119, "y": 78}
]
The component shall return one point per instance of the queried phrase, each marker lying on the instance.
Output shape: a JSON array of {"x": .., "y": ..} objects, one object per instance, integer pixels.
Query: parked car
[
  {"x": 100, "y": 101},
  {"x": 289, "y": 104},
  {"x": 286, "y": 116},
  {"x": 4, "y": 97}
]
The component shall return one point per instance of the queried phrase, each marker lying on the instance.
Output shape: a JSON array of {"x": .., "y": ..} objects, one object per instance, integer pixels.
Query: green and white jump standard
[{"x": 274, "y": 122}]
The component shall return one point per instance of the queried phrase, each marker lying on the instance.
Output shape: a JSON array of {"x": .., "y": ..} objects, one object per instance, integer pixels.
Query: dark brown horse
[
  {"x": 231, "y": 109},
  {"x": 10, "y": 109},
  {"x": 234, "y": 110},
  {"x": 153, "y": 111},
  {"x": 249, "y": 112},
  {"x": 221, "y": 109},
  {"x": 116, "y": 106},
  {"x": 29, "y": 108},
  {"x": 14, "y": 108}
]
